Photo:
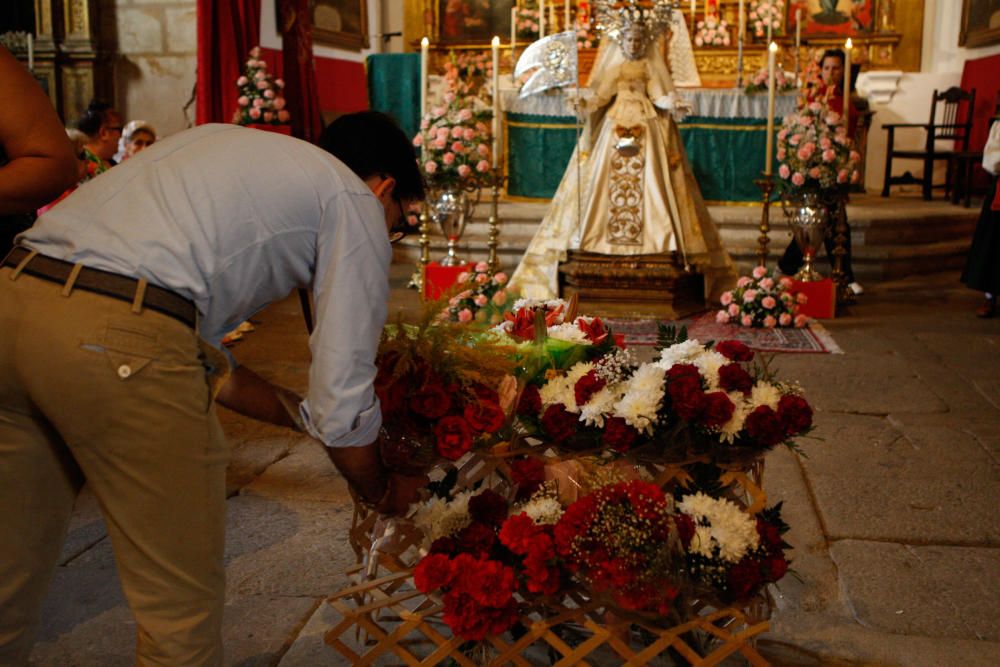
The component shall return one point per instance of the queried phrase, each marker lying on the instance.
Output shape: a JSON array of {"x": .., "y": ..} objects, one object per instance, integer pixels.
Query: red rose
[
  {"x": 775, "y": 567},
  {"x": 489, "y": 582},
  {"x": 647, "y": 500},
  {"x": 764, "y": 426},
  {"x": 587, "y": 386},
  {"x": 454, "y": 437},
  {"x": 743, "y": 579},
  {"x": 476, "y": 539},
  {"x": 444, "y": 545},
  {"x": 431, "y": 401},
  {"x": 685, "y": 528},
  {"x": 687, "y": 397},
  {"x": 530, "y": 402},
  {"x": 718, "y": 409},
  {"x": 559, "y": 423},
  {"x": 542, "y": 575},
  {"x": 795, "y": 413},
  {"x": 770, "y": 536},
  {"x": 528, "y": 474},
  {"x": 681, "y": 371},
  {"x": 484, "y": 416},
  {"x": 472, "y": 621},
  {"x": 595, "y": 331},
  {"x": 434, "y": 571},
  {"x": 489, "y": 507},
  {"x": 518, "y": 532},
  {"x": 734, "y": 350},
  {"x": 574, "y": 523},
  {"x": 618, "y": 435},
  {"x": 733, "y": 377}
]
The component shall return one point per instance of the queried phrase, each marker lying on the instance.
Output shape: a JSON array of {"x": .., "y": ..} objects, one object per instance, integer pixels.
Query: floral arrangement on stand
[
  {"x": 455, "y": 142},
  {"x": 481, "y": 296},
  {"x": 468, "y": 74},
  {"x": 814, "y": 150},
  {"x": 764, "y": 12},
  {"x": 762, "y": 299},
  {"x": 260, "y": 100},
  {"x": 785, "y": 81},
  {"x": 527, "y": 22},
  {"x": 712, "y": 31}
]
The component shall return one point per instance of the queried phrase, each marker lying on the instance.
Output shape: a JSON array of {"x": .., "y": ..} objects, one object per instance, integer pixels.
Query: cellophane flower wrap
[
  {"x": 814, "y": 150},
  {"x": 442, "y": 392},
  {"x": 480, "y": 296},
  {"x": 260, "y": 98},
  {"x": 762, "y": 299}
]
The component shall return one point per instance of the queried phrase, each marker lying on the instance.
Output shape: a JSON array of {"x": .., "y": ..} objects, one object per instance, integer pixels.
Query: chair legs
[
  {"x": 927, "y": 179},
  {"x": 888, "y": 173}
]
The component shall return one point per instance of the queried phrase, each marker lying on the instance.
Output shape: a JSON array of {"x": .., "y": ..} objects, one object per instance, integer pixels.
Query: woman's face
[
  {"x": 141, "y": 139},
  {"x": 832, "y": 71},
  {"x": 632, "y": 43}
]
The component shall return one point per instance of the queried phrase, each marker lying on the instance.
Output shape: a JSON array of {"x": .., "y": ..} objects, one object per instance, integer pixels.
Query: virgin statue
[{"x": 633, "y": 192}]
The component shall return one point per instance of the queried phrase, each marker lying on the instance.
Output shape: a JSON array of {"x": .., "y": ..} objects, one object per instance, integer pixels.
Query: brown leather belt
[{"x": 104, "y": 282}]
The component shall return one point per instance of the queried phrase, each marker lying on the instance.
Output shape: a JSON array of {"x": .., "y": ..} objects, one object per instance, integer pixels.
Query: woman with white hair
[{"x": 137, "y": 136}]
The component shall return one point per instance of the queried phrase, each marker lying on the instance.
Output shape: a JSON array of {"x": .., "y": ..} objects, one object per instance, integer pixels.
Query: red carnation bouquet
[{"x": 442, "y": 392}]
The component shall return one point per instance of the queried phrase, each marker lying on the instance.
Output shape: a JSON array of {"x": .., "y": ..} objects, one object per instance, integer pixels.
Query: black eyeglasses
[{"x": 399, "y": 230}]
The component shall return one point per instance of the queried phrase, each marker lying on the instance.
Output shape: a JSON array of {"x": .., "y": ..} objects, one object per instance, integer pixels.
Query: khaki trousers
[{"x": 91, "y": 391}]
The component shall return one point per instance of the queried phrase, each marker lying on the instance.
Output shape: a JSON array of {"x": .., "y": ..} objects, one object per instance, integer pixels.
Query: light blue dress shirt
[{"x": 234, "y": 219}]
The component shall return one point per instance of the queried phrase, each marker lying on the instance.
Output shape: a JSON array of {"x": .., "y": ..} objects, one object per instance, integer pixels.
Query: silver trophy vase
[
  {"x": 451, "y": 209},
  {"x": 808, "y": 219}
]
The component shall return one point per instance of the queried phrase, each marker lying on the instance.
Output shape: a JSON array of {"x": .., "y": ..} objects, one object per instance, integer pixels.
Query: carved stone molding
[{"x": 879, "y": 85}]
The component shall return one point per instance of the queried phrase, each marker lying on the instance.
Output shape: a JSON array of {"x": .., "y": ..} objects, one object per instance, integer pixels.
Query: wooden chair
[
  {"x": 950, "y": 127},
  {"x": 964, "y": 166}
]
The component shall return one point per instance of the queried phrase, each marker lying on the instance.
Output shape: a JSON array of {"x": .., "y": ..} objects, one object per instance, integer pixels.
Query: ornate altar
[{"x": 71, "y": 49}]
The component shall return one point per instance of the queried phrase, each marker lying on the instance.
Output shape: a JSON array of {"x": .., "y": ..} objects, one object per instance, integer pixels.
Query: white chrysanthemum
[
  {"x": 543, "y": 510},
  {"x": 702, "y": 543},
  {"x": 679, "y": 354},
  {"x": 569, "y": 332},
  {"x": 440, "y": 518},
  {"x": 642, "y": 398},
  {"x": 600, "y": 405},
  {"x": 732, "y": 532},
  {"x": 708, "y": 363},
  {"x": 562, "y": 389},
  {"x": 764, "y": 394},
  {"x": 729, "y": 430}
]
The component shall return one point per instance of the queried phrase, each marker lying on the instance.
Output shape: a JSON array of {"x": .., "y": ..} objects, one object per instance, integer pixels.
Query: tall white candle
[
  {"x": 424, "y": 45},
  {"x": 848, "y": 47},
  {"x": 772, "y": 51},
  {"x": 798, "y": 41},
  {"x": 739, "y": 43},
  {"x": 541, "y": 19},
  {"x": 31, "y": 52},
  {"x": 513, "y": 36},
  {"x": 694, "y": 15},
  {"x": 496, "y": 102},
  {"x": 568, "y": 25},
  {"x": 770, "y": 20}
]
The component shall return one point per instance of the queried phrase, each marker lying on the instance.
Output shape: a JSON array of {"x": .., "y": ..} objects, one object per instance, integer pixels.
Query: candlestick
[
  {"x": 541, "y": 19},
  {"x": 31, "y": 52},
  {"x": 496, "y": 101},
  {"x": 694, "y": 15},
  {"x": 848, "y": 47},
  {"x": 798, "y": 41},
  {"x": 567, "y": 25},
  {"x": 739, "y": 45},
  {"x": 424, "y": 45},
  {"x": 772, "y": 51}
]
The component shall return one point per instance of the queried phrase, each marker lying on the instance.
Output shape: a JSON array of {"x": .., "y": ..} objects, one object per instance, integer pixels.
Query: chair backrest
[{"x": 955, "y": 118}]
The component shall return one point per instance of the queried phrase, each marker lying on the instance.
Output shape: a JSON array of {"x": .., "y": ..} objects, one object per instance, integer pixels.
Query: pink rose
[
  {"x": 462, "y": 277},
  {"x": 457, "y": 132},
  {"x": 785, "y": 282},
  {"x": 784, "y": 171},
  {"x": 785, "y": 319},
  {"x": 448, "y": 158},
  {"x": 804, "y": 154},
  {"x": 255, "y": 52},
  {"x": 258, "y": 102},
  {"x": 440, "y": 143},
  {"x": 483, "y": 149},
  {"x": 437, "y": 111},
  {"x": 283, "y": 116},
  {"x": 468, "y": 134},
  {"x": 798, "y": 179},
  {"x": 500, "y": 278},
  {"x": 500, "y": 298},
  {"x": 442, "y": 133},
  {"x": 457, "y": 147},
  {"x": 815, "y": 107},
  {"x": 482, "y": 267},
  {"x": 825, "y": 143},
  {"x": 268, "y": 116},
  {"x": 749, "y": 296},
  {"x": 465, "y": 315},
  {"x": 734, "y": 310},
  {"x": 743, "y": 281},
  {"x": 842, "y": 176},
  {"x": 767, "y": 283},
  {"x": 481, "y": 300},
  {"x": 279, "y": 103},
  {"x": 262, "y": 85},
  {"x": 255, "y": 113},
  {"x": 801, "y": 321},
  {"x": 829, "y": 155},
  {"x": 242, "y": 81},
  {"x": 465, "y": 114},
  {"x": 482, "y": 278},
  {"x": 430, "y": 166},
  {"x": 259, "y": 76},
  {"x": 453, "y": 301},
  {"x": 782, "y": 134},
  {"x": 855, "y": 156},
  {"x": 770, "y": 322},
  {"x": 855, "y": 176},
  {"x": 746, "y": 321},
  {"x": 482, "y": 166},
  {"x": 243, "y": 100},
  {"x": 832, "y": 118},
  {"x": 768, "y": 302},
  {"x": 464, "y": 170},
  {"x": 782, "y": 153},
  {"x": 280, "y": 83},
  {"x": 726, "y": 298},
  {"x": 801, "y": 297},
  {"x": 795, "y": 139},
  {"x": 759, "y": 272},
  {"x": 815, "y": 173},
  {"x": 424, "y": 124},
  {"x": 269, "y": 94},
  {"x": 418, "y": 140},
  {"x": 722, "y": 317}
]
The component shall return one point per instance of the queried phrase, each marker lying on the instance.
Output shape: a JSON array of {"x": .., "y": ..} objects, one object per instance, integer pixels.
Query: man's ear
[{"x": 385, "y": 187}]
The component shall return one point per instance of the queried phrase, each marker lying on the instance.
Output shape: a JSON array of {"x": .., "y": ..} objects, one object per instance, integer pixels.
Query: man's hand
[{"x": 403, "y": 491}]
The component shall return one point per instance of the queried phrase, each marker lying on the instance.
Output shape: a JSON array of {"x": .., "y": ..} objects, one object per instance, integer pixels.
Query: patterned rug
[{"x": 814, "y": 338}]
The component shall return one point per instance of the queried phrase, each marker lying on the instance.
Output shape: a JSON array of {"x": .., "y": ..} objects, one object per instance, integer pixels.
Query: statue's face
[{"x": 633, "y": 43}]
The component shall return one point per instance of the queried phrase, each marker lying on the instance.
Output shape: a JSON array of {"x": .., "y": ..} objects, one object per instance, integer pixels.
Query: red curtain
[
  {"x": 227, "y": 30},
  {"x": 300, "y": 70}
]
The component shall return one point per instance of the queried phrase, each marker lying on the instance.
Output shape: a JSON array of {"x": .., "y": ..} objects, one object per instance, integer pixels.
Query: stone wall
[{"x": 156, "y": 66}]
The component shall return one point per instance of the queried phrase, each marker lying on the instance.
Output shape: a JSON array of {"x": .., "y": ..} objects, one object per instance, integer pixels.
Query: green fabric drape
[
  {"x": 538, "y": 150},
  {"x": 727, "y": 154},
  {"x": 394, "y": 88}
]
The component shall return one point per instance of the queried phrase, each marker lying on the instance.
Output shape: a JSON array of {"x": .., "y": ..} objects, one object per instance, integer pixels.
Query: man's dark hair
[
  {"x": 93, "y": 117},
  {"x": 371, "y": 144},
  {"x": 833, "y": 53}
]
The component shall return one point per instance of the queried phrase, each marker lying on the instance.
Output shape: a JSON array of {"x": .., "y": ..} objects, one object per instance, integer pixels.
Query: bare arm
[
  {"x": 252, "y": 396},
  {"x": 41, "y": 161}
]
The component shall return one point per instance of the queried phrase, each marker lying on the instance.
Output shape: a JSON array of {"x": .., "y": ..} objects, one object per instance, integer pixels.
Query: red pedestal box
[
  {"x": 821, "y": 295},
  {"x": 439, "y": 279},
  {"x": 277, "y": 129}
]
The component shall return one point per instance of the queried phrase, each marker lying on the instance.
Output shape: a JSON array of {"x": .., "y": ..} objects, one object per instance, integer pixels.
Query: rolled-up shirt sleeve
[{"x": 351, "y": 288}]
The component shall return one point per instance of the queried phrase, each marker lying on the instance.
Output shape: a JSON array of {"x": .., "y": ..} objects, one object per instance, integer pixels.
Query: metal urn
[
  {"x": 451, "y": 209},
  {"x": 808, "y": 216}
]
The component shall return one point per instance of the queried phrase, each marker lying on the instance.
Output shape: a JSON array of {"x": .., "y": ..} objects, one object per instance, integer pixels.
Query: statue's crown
[{"x": 614, "y": 17}]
